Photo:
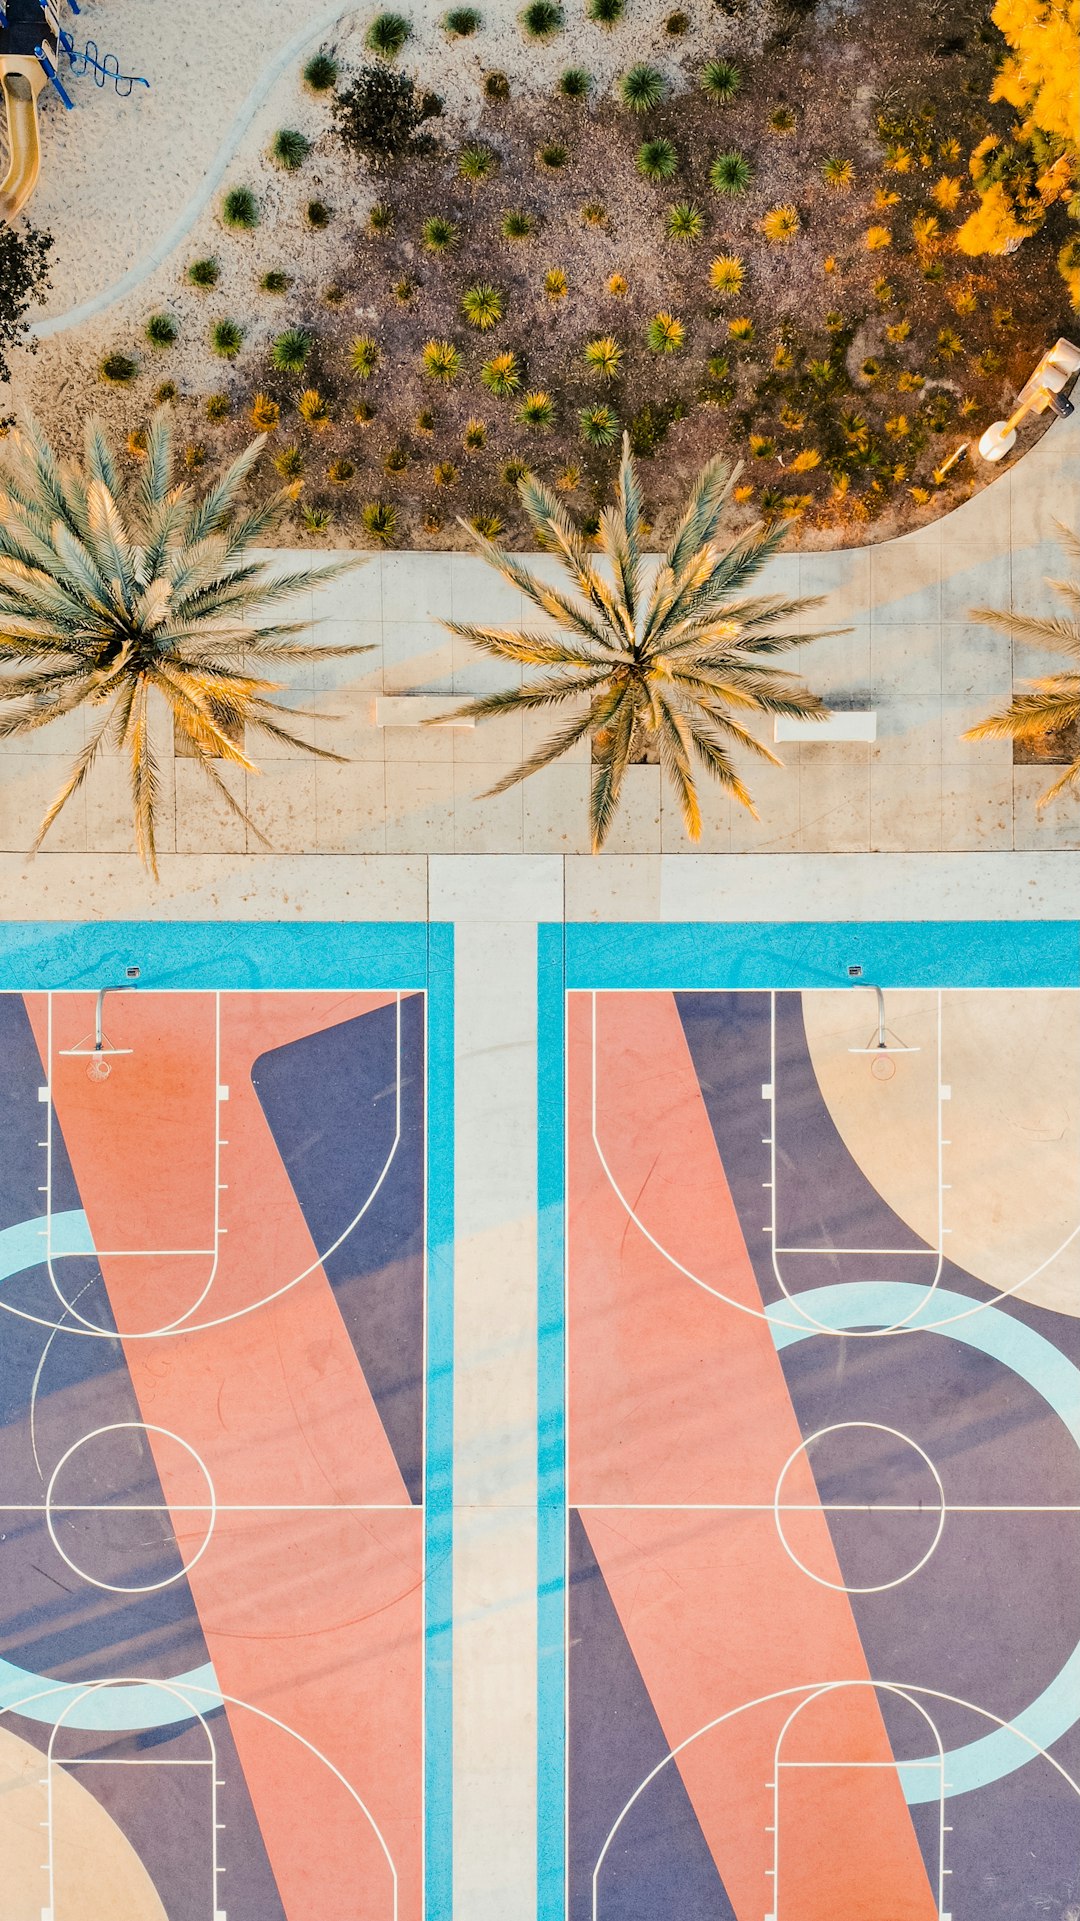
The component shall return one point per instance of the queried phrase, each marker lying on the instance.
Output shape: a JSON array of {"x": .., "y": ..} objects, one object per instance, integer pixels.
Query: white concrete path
[{"x": 910, "y": 649}]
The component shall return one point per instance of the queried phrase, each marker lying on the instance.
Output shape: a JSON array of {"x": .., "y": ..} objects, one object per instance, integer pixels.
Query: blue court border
[
  {"x": 363, "y": 957},
  {"x": 682, "y": 957}
]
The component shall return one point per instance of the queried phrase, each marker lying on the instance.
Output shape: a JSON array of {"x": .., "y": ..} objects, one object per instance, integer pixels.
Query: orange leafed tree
[{"x": 1019, "y": 179}]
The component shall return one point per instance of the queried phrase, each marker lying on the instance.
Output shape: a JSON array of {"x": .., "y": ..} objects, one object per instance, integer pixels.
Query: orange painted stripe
[
  {"x": 314, "y": 1618},
  {"x": 677, "y": 1397}
]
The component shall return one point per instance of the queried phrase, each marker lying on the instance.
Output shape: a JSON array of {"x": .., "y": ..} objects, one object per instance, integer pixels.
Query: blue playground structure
[
  {"x": 32, "y": 45},
  {"x": 22, "y": 21}
]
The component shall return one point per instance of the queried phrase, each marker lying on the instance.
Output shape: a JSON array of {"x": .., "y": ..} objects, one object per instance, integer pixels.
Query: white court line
[
  {"x": 813, "y": 1507},
  {"x": 202, "y": 1507},
  {"x": 53, "y": 1761},
  {"x": 229, "y": 1700},
  {"x": 120, "y": 1253},
  {"x": 759, "y": 1314},
  {"x": 787, "y": 1694},
  {"x": 937, "y": 1251},
  {"x": 90, "y": 1332},
  {"x": 938, "y": 1766}
]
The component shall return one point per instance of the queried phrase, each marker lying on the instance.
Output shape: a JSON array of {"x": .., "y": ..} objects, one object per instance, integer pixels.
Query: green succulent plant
[
  {"x": 240, "y": 209},
  {"x": 162, "y": 329},
  {"x": 289, "y": 149},
  {"x": 642, "y": 88},
  {"x": 290, "y": 351},
  {"x": 720, "y": 80},
  {"x": 387, "y": 35},
  {"x": 731, "y": 173},
  {"x": 657, "y": 159}
]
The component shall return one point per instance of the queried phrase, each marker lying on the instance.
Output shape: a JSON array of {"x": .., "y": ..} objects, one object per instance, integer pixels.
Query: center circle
[
  {"x": 881, "y": 1498},
  {"x": 104, "y": 1504}
]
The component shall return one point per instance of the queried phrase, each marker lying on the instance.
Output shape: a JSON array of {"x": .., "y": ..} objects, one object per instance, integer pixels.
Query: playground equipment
[
  {"x": 32, "y": 43},
  {"x": 26, "y": 32},
  {"x": 1040, "y": 392}
]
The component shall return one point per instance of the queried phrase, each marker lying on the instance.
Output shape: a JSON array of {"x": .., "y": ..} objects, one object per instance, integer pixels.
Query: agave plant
[
  {"x": 672, "y": 666},
  {"x": 1051, "y": 703},
  {"x": 112, "y": 594}
]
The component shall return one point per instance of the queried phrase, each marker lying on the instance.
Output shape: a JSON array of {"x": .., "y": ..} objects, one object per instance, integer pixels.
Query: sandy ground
[{"x": 117, "y": 173}]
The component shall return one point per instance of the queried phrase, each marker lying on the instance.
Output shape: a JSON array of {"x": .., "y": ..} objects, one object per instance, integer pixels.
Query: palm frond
[
  {"x": 1068, "y": 782},
  {"x": 83, "y": 762},
  {"x": 155, "y": 474},
  {"x": 701, "y": 515},
  {"x": 611, "y": 769},
  {"x": 548, "y": 599},
  {"x": 539, "y": 693},
  {"x": 109, "y": 544},
  {"x": 717, "y": 762},
  {"x": 258, "y": 716},
  {"x": 550, "y": 750},
  {"x": 621, "y": 531},
  {"x": 1048, "y": 630},
  {"x": 236, "y": 807},
  {"x": 97, "y": 456},
  {"x": 675, "y": 740},
  {"x": 197, "y": 721},
  {"x": 48, "y": 484},
  {"x": 144, "y": 778},
  {"x": 1029, "y": 716},
  {"x": 557, "y": 528},
  {"x": 210, "y": 514},
  {"x": 531, "y": 649}
]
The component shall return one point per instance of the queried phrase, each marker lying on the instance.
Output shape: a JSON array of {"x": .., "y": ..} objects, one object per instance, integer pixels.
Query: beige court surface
[
  {"x": 97, "y": 1875},
  {"x": 993, "y": 1159}
]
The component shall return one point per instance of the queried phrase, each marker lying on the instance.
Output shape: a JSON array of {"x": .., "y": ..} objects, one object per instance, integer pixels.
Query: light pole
[{"x": 1041, "y": 392}]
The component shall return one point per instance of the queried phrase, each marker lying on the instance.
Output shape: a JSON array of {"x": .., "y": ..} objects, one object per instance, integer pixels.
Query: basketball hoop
[
  {"x": 883, "y": 1043},
  {"x": 96, "y": 1049}
]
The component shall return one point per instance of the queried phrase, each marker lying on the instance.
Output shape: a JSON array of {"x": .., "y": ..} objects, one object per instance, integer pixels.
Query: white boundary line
[
  {"x": 810, "y": 1688},
  {"x": 411, "y": 1507},
  {"x": 939, "y": 1765},
  {"x": 774, "y": 1181},
  {"x": 53, "y": 1761},
  {"x": 182, "y": 1326},
  {"x": 131, "y": 1253},
  {"x": 743, "y": 1307}
]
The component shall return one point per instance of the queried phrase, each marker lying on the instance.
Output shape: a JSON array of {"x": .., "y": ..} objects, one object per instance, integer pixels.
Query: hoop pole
[{"x": 113, "y": 987}]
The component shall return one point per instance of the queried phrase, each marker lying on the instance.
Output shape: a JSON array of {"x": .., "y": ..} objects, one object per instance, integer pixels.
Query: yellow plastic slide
[{"x": 21, "y": 80}]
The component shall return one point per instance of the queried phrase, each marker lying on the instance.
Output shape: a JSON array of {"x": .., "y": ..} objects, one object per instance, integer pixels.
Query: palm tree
[
  {"x": 668, "y": 667},
  {"x": 110, "y": 594},
  {"x": 1052, "y": 702}
]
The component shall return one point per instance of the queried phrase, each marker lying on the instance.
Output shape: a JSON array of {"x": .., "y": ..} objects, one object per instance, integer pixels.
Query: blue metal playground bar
[{"x": 104, "y": 67}]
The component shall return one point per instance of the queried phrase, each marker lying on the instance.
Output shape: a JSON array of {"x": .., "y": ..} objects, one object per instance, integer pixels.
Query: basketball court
[
  {"x": 212, "y": 1457},
  {"x": 822, "y": 1428}
]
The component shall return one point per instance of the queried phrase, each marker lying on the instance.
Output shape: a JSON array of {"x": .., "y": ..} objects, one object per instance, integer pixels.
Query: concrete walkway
[{"x": 911, "y": 651}]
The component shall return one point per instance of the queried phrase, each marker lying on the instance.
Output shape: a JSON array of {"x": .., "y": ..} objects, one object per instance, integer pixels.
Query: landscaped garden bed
[{"x": 742, "y": 240}]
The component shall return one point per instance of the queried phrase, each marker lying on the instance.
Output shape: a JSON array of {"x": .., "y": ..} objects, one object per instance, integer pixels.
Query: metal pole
[{"x": 114, "y": 987}]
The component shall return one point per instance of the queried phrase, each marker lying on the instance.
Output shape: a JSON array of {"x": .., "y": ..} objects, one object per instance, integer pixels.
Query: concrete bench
[
  {"x": 841, "y": 724},
  {"x": 412, "y": 710}
]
